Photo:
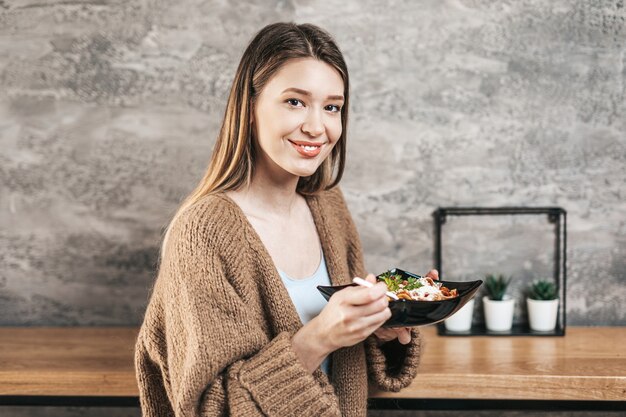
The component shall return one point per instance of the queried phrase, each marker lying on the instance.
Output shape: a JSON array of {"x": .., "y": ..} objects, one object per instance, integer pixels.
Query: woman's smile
[{"x": 307, "y": 149}]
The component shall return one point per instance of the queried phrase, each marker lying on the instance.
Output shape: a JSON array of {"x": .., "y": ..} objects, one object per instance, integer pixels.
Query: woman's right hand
[{"x": 350, "y": 316}]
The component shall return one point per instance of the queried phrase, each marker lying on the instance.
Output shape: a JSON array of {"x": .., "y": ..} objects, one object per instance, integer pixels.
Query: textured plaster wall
[{"x": 109, "y": 110}]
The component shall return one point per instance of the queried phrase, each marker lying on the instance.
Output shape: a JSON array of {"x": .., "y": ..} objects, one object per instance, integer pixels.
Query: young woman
[{"x": 235, "y": 325}]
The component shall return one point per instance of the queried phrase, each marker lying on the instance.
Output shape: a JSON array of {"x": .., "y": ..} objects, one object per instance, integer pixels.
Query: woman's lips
[{"x": 307, "y": 149}]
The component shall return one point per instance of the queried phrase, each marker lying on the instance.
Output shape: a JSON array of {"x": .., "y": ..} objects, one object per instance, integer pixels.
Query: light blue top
[{"x": 306, "y": 298}]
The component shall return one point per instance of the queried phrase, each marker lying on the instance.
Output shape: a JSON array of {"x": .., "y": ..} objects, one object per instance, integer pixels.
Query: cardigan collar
[{"x": 278, "y": 303}]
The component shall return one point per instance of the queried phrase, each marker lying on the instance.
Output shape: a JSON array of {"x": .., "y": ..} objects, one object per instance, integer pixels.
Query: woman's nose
[{"x": 313, "y": 125}]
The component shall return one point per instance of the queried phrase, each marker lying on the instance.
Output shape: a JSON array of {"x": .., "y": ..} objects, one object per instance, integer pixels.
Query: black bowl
[{"x": 406, "y": 313}]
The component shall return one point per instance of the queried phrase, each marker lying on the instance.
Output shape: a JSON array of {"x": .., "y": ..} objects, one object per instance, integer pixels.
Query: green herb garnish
[{"x": 395, "y": 282}]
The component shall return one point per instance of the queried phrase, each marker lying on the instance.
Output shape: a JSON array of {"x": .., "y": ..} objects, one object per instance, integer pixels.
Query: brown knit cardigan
[{"x": 216, "y": 337}]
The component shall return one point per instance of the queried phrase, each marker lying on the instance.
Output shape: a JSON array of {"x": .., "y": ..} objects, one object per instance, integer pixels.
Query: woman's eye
[
  {"x": 333, "y": 108},
  {"x": 294, "y": 102}
]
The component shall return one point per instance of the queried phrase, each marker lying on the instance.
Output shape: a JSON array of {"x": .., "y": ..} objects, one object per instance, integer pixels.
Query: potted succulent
[
  {"x": 498, "y": 306},
  {"x": 543, "y": 305}
]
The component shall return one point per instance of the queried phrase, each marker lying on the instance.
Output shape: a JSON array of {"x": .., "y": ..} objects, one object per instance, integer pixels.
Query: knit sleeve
[
  {"x": 200, "y": 352},
  {"x": 391, "y": 366}
]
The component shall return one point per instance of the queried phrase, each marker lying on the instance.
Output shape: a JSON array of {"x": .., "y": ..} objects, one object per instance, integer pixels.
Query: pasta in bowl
[
  {"x": 411, "y": 287},
  {"x": 422, "y": 301}
]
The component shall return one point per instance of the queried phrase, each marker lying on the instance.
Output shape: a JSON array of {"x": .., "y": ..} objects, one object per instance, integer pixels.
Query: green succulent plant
[
  {"x": 496, "y": 287},
  {"x": 542, "y": 290}
]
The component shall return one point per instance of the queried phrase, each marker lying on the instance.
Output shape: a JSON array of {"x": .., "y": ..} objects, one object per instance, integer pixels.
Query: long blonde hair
[{"x": 232, "y": 161}]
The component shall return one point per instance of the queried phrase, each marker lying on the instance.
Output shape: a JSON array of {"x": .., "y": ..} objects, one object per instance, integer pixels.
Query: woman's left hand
[
  {"x": 433, "y": 273},
  {"x": 403, "y": 334}
]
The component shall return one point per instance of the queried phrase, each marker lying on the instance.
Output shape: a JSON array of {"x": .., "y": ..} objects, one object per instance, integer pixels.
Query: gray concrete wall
[{"x": 109, "y": 110}]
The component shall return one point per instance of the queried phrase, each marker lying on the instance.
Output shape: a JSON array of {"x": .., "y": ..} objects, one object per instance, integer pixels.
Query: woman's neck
[{"x": 269, "y": 194}]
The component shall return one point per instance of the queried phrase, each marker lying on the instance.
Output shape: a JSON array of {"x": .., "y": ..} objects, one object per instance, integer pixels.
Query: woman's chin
[{"x": 304, "y": 172}]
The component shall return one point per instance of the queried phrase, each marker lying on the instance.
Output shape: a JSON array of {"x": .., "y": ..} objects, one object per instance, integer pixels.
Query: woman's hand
[
  {"x": 403, "y": 334},
  {"x": 350, "y": 316},
  {"x": 433, "y": 273},
  {"x": 353, "y": 314}
]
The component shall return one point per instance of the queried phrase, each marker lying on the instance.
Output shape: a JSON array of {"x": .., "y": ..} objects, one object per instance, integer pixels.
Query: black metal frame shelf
[{"x": 556, "y": 216}]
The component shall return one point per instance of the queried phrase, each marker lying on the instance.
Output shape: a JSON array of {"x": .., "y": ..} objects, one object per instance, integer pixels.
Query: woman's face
[{"x": 297, "y": 117}]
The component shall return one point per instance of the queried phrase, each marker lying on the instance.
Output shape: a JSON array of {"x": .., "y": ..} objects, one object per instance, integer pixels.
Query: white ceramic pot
[
  {"x": 542, "y": 314},
  {"x": 461, "y": 321},
  {"x": 499, "y": 314}
]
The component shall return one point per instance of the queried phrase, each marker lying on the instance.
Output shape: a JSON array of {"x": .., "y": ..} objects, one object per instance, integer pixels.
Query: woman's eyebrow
[{"x": 308, "y": 93}]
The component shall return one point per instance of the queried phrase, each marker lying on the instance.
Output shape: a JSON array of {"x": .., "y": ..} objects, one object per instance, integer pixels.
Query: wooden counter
[
  {"x": 589, "y": 363},
  {"x": 586, "y": 364},
  {"x": 67, "y": 361}
]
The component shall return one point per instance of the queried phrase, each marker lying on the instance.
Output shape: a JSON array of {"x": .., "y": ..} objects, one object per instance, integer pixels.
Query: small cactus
[
  {"x": 542, "y": 290},
  {"x": 496, "y": 287}
]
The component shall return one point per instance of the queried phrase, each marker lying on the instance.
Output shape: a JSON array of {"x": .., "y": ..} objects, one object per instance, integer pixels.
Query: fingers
[
  {"x": 385, "y": 334},
  {"x": 404, "y": 335},
  {"x": 374, "y": 321},
  {"x": 363, "y": 295},
  {"x": 433, "y": 273},
  {"x": 371, "y": 278},
  {"x": 372, "y": 308}
]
